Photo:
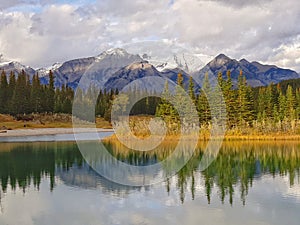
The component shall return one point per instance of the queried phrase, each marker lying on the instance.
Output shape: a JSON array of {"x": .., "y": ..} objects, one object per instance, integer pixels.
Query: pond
[{"x": 47, "y": 183}]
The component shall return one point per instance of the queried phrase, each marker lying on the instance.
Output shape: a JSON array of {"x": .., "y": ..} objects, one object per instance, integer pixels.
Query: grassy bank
[
  {"x": 139, "y": 127},
  {"x": 8, "y": 122},
  {"x": 227, "y": 137}
]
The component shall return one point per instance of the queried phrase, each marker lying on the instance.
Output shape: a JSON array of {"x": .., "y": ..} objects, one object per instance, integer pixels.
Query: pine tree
[
  {"x": 203, "y": 105},
  {"x": 298, "y": 103},
  {"x": 250, "y": 111},
  {"x": 3, "y": 93},
  {"x": 180, "y": 98},
  {"x": 230, "y": 100},
  {"x": 10, "y": 91},
  {"x": 165, "y": 109},
  {"x": 269, "y": 101},
  {"x": 36, "y": 95},
  {"x": 261, "y": 104},
  {"x": 282, "y": 106},
  {"x": 192, "y": 89},
  {"x": 244, "y": 104},
  {"x": 290, "y": 103},
  {"x": 218, "y": 109},
  {"x": 50, "y": 93},
  {"x": 58, "y": 101},
  {"x": 21, "y": 96}
]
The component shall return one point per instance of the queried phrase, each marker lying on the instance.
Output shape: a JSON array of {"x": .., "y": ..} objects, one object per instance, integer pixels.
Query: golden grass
[
  {"x": 269, "y": 137},
  {"x": 140, "y": 128},
  {"x": 102, "y": 123},
  {"x": 45, "y": 121}
]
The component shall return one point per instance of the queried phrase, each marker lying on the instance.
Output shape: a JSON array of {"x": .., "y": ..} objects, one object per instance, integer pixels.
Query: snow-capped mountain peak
[
  {"x": 187, "y": 62},
  {"x": 45, "y": 71},
  {"x": 116, "y": 51},
  {"x": 115, "y": 54}
]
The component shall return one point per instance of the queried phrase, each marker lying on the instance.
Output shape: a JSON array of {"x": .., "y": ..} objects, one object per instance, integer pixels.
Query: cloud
[
  {"x": 56, "y": 34},
  {"x": 241, "y": 3},
  {"x": 4, "y": 4},
  {"x": 260, "y": 30}
]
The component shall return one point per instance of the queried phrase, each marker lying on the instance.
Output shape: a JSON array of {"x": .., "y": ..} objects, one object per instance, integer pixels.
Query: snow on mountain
[
  {"x": 185, "y": 61},
  {"x": 98, "y": 69},
  {"x": 112, "y": 65},
  {"x": 43, "y": 72},
  {"x": 16, "y": 68}
]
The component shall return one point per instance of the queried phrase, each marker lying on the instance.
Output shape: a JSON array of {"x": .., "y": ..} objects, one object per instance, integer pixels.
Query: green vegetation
[{"x": 274, "y": 109}]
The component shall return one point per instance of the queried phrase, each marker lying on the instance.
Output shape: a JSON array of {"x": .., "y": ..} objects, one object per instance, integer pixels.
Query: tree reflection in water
[{"x": 237, "y": 165}]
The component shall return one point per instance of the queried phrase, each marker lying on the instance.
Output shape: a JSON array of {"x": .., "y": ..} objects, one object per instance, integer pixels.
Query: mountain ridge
[
  {"x": 257, "y": 74},
  {"x": 103, "y": 67}
]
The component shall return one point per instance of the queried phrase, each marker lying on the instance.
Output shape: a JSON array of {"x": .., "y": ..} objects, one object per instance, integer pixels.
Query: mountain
[
  {"x": 257, "y": 74},
  {"x": 173, "y": 73},
  {"x": 141, "y": 73},
  {"x": 16, "y": 67},
  {"x": 98, "y": 69},
  {"x": 186, "y": 62},
  {"x": 131, "y": 73},
  {"x": 115, "y": 68}
]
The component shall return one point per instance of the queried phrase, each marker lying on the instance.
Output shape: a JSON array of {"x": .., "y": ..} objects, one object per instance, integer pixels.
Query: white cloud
[{"x": 258, "y": 30}]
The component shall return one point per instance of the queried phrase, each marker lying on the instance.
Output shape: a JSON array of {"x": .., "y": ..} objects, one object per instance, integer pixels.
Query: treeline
[
  {"x": 22, "y": 95},
  {"x": 272, "y": 108},
  {"x": 92, "y": 101}
]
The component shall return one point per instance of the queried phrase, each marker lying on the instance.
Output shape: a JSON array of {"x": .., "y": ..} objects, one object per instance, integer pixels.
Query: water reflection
[{"x": 238, "y": 165}]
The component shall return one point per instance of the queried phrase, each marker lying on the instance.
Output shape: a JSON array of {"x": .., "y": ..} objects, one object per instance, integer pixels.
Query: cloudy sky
[{"x": 41, "y": 32}]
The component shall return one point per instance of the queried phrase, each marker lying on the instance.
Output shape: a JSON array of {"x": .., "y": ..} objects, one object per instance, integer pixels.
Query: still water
[{"x": 47, "y": 183}]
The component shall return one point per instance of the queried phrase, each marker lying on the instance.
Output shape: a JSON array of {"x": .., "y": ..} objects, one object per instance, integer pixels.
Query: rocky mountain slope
[
  {"x": 116, "y": 68},
  {"x": 257, "y": 74}
]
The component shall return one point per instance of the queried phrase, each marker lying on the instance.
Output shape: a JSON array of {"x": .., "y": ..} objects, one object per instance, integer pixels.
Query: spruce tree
[
  {"x": 192, "y": 89},
  {"x": 203, "y": 105},
  {"x": 50, "y": 93},
  {"x": 243, "y": 100},
  {"x": 36, "y": 95},
  {"x": 282, "y": 106},
  {"x": 290, "y": 103},
  {"x": 21, "y": 96},
  {"x": 165, "y": 109},
  {"x": 297, "y": 103},
  {"x": 3, "y": 93},
  {"x": 230, "y": 100}
]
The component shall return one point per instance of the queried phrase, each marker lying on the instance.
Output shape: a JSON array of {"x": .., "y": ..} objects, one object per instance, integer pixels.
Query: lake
[{"x": 47, "y": 183}]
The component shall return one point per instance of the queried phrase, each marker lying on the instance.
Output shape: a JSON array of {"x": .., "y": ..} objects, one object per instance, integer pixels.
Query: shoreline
[
  {"x": 48, "y": 131},
  {"x": 270, "y": 137},
  {"x": 38, "y": 132}
]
